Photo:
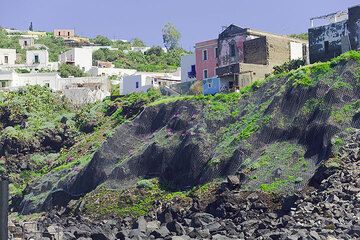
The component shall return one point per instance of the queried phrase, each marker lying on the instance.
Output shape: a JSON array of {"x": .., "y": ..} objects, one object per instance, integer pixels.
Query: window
[
  {"x": 68, "y": 33},
  {"x": 205, "y": 55},
  {"x": 205, "y": 73},
  {"x": 36, "y": 60},
  {"x": 137, "y": 84},
  {"x": 216, "y": 52},
  {"x": 25, "y": 43},
  {"x": 6, "y": 59},
  {"x": 59, "y": 33},
  {"x": 232, "y": 50},
  {"x": 209, "y": 85},
  {"x": 326, "y": 46},
  {"x": 47, "y": 84},
  {"x": 3, "y": 84}
]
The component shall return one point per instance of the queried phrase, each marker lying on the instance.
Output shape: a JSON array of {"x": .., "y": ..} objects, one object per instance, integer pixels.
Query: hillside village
[
  {"x": 237, "y": 58},
  {"x": 251, "y": 135}
]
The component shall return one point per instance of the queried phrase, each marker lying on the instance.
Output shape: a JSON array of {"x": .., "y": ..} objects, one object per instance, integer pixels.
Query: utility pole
[{"x": 4, "y": 208}]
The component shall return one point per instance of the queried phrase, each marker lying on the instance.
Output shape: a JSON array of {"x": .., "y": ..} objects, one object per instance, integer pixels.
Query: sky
[{"x": 197, "y": 20}]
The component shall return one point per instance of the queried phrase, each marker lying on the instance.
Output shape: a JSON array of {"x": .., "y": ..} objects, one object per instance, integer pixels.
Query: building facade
[
  {"x": 26, "y": 42},
  {"x": 80, "y": 57},
  {"x": 37, "y": 57},
  {"x": 7, "y": 56},
  {"x": 206, "y": 59},
  {"x": 64, "y": 33},
  {"x": 188, "y": 68},
  {"x": 340, "y": 34},
  {"x": 245, "y": 55}
]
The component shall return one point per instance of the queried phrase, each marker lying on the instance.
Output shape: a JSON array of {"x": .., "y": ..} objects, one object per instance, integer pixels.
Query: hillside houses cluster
[
  {"x": 235, "y": 58},
  {"x": 241, "y": 55}
]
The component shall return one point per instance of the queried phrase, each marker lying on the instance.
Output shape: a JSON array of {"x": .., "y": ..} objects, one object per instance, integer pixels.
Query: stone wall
[
  {"x": 278, "y": 50},
  {"x": 255, "y": 51}
]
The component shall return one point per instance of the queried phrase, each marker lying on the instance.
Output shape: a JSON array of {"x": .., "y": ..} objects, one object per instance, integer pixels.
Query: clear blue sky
[{"x": 197, "y": 20}]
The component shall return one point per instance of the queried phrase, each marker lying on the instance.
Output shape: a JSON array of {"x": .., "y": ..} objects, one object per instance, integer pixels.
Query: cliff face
[{"x": 274, "y": 136}]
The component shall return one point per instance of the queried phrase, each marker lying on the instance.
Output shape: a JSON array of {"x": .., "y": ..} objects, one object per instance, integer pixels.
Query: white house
[
  {"x": 188, "y": 71},
  {"x": 80, "y": 57},
  {"x": 78, "y": 90},
  {"x": 99, "y": 71},
  {"x": 7, "y": 56},
  {"x": 142, "y": 81},
  {"x": 37, "y": 57},
  {"x": 26, "y": 42}
]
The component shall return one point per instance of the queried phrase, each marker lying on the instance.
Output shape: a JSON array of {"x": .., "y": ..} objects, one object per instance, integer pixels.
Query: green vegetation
[
  {"x": 171, "y": 36},
  {"x": 345, "y": 113},
  {"x": 302, "y": 36},
  {"x": 154, "y": 60},
  {"x": 288, "y": 66},
  {"x": 43, "y": 110},
  {"x": 277, "y": 168},
  {"x": 133, "y": 202},
  {"x": 67, "y": 70},
  {"x": 12, "y": 42},
  {"x": 37, "y": 106},
  {"x": 55, "y": 45}
]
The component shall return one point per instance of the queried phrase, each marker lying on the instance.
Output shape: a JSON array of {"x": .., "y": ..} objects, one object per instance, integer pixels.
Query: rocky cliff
[{"x": 273, "y": 139}]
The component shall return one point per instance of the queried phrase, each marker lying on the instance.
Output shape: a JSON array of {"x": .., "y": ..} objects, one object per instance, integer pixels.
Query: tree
[
  {"x": 136, "y": 42},
  {"x": 156, "y": 50},
  {"x": 171, "y": 36},
  {"x": 67, "y": 70},
  {"x": 31, "y": 27},
  {"x": 101, "y": 40}
]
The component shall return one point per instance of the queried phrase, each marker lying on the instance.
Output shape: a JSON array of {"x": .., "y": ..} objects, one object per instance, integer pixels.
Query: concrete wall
[
  {"x": 354, "y": 27},
  {"x": 43, "y": 57},
  {"x": 224, "y": 50},
  {"x": 209, "y": 64},
  {"x": 296, "y": 51},
  {"x": 10, "y": 54},
  {"x": 278, "y": 50},
  {"x": 81, "y": 57},
  {"x": 96, "y": 71},
  {"x": 80, "y": 96},
  {"x": 255, "y": 51},
  {"x": 187, "y": 61},
  {"x": 128, "y": 84},
  {"x": 257, "y": 71},
  {"x": 332, "y": 33},
  {"x": 211, "y": 85}
]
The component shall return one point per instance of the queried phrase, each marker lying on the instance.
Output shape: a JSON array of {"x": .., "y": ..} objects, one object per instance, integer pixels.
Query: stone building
[
  {"x": 64, "y": 33},
  {"x": 245, "y": 55},
  {"x": 340, "y": 34}
]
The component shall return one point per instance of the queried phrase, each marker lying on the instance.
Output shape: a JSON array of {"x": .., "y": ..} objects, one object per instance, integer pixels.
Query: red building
[{"x": 206, "y": 59}]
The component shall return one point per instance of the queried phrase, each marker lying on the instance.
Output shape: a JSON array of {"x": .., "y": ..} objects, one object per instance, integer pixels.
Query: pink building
[{"x": 206, "y": 59}]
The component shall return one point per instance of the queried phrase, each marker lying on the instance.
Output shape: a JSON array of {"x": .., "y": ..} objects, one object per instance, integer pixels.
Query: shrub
[
  {"x": 288, "y": 66},
  {"x": 67, "y": 70}
]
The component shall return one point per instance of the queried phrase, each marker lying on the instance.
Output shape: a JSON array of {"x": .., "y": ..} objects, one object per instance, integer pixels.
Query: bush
[
  {"x": 67, "y": 70},
  {"x": 288, "y": 66}
]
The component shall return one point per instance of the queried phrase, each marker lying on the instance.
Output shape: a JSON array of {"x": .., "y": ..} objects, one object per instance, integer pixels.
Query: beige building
[{"x": 64, "y": 33}]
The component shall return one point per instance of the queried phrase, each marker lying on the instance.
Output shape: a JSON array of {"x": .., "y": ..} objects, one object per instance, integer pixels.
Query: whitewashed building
[
  {"x": 39, "y": 58},
  {"x": 78, "y": 90},
  {"x": 142, "y": 81},
  {"x": 80, "y": 57},
  {"x": 26, "y": 42},
  {"x": 188, "y": 71},
  {"x": 7, "y": 56},
  {"x": 120, "y": 72}
]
